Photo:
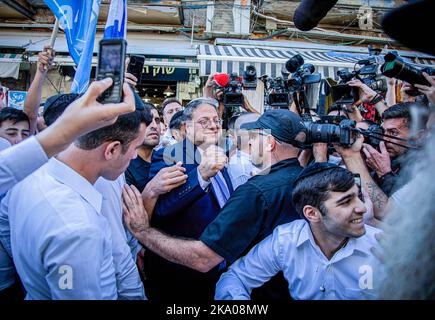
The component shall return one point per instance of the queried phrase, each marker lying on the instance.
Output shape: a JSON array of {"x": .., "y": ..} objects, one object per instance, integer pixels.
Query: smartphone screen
[{"x": 110, "y": 58}]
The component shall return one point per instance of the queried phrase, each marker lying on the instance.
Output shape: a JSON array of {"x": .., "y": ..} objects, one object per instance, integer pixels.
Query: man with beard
[{"x": 138, "y": 172}]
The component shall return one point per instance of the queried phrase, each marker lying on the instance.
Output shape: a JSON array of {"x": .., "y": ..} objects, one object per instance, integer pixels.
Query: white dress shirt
[
  {"x": 129, "y": 284},
  {"x": 352, "y": 273},
  {"x": 15, "y": 162},
  {"x": 240, "y": 168},
  {"x": 61, "y": 242}
]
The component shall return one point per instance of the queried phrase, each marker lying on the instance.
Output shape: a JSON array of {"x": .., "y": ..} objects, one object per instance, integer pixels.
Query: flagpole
[
  {"x": 54, "y": 33},
  {"x": 53, "y": 36}
]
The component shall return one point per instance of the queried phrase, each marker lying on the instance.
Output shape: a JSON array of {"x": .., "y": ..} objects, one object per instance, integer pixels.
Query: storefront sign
[{"x": 162, "y": 73}]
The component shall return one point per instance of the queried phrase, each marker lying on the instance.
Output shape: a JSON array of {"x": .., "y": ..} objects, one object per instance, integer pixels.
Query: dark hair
[
  {"x": 13, "y": 115},
  {"x": 177, "y": 120},
  {"x": 314, "y": 189},
  {"x": 195, "y": 103},
  {"x": 56, "y": 105},
  {"x": 124, "y": 130},
  {"x": 403, "y": 110},
  {"x": 168, "y": 101}
]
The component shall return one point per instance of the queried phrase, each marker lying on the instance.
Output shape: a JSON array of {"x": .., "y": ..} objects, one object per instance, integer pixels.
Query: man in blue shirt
[
  {"x": 325, "y": 256},
  {"x": 63, "y": 219}
]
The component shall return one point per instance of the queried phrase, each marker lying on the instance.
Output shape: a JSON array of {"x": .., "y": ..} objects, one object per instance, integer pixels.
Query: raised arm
[{"x": 33, "y": 98}]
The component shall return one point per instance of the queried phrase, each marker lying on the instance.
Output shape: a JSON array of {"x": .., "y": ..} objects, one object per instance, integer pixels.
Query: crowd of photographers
[{"x": 211, "y": 200}]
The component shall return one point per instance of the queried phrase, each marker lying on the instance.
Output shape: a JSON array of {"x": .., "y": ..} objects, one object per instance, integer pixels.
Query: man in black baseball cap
[
  {"x": 254, "y": 209},
  {"x": 273, "y": 135}
]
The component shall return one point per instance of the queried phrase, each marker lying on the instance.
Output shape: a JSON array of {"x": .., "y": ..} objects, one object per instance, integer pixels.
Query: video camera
[
  {"x": 280, "y": 89},
  {"x": 342, "y": 93},
  {"x": 302, "y": 74},
  {"x": 232, "y": 86},
  {"x": 396, "y": 67}
]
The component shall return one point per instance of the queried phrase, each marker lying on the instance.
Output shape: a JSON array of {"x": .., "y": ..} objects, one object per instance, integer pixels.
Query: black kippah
[{"x": 315, "y": 168}]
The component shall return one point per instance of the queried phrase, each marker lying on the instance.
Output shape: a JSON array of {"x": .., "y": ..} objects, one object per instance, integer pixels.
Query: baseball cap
[{"x": 283, "y": 124}]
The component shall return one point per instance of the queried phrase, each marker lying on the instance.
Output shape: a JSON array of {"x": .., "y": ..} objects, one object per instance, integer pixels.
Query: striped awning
[
  {"x": 10, "y": 65},
  {"x": 270, "y": 61}
]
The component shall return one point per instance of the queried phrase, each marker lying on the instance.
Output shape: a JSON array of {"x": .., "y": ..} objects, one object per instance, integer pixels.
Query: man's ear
[
  {"x": 270, "y": 143},
  {"x": 312, "y": 214},
  {"x": 112, "y": 149}
]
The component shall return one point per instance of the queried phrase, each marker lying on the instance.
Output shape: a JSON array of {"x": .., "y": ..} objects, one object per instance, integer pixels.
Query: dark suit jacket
[{"x": 185, "y": 212}]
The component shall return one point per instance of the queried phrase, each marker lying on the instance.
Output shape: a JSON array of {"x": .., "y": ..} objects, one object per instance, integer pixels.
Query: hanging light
[{"x": 168, "y": 92}]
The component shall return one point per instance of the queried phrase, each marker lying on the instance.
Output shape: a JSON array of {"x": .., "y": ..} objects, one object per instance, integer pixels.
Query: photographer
[{"x": 389, "y": 161}]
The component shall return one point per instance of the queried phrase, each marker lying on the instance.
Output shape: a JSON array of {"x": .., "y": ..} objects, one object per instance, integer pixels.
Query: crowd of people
[{"x": 125, "y": 201}]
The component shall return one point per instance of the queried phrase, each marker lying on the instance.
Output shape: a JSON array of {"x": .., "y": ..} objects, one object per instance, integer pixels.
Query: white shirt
[
  {"x": 240, "y": 168},
  {"x": 129, "y": 284},
  {"x": 61, "y": 242},
  {"x": 15, "y": 164},
  {"x": 352, "y": 273}
]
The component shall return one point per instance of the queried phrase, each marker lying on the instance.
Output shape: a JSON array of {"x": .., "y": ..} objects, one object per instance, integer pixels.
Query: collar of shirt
[
  {"x": 64, "y": 174},
  {"x": 281, "y": 164},
  {"x": 353, "y": 244}
]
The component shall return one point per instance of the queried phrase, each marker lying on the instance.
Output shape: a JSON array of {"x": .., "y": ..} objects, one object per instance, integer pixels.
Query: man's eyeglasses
[{"x": 206, "y": 123}]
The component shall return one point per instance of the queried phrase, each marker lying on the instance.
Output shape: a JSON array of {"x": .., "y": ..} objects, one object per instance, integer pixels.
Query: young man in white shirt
[
  {"x": 327, "y": 255},
  {"x": 60, "y": 240}
]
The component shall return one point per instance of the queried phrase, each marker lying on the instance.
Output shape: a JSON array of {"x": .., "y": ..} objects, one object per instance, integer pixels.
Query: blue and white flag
[
  {"x": 78, "y": 18},
  {"x": 116, "y": 20}
]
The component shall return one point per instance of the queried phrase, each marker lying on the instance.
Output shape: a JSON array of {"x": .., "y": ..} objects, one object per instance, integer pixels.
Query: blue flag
[
  {"x": 78, "y": 18},
  {"x": 116, "y": 20}
]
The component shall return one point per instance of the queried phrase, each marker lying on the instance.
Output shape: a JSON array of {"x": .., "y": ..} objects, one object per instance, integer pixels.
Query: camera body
[
  {"x": 232, "y": 93},
  {"x": 277, "y": 93},
  {"x": 279, "y": 89},
  {"x": 396, "y": 67},
  {"x": 111, "y": 64},
  {"x": 367, "y": 74},
  {"x": 374, "y": 130},
  {"x": 249, "y": 80}
]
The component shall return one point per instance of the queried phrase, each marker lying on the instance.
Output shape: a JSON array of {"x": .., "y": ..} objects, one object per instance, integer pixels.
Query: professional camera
[
  {"x": 367, "y": 74},
  {"x": 232, "y": 93},
  {"x": 277, "y": 94},
  {"x": 396, "y": 67},
  {"x": 249, "y": 78},
  {"x": 279, "y": 90},
  {"x": 374, "y": 135},
  {"x": 344, "y": 133},
  {"x": 302, "y": 74}
]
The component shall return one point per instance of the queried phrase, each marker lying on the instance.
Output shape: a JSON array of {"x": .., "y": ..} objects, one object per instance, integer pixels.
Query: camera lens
[{"x": 326, "y": 133}]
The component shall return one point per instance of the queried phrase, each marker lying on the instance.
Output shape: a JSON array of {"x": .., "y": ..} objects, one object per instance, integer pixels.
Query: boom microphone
[{"x": 309, "y": 13}]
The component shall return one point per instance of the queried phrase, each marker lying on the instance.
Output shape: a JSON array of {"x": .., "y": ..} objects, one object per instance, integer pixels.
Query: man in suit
[{"x": 187, "y": 210}]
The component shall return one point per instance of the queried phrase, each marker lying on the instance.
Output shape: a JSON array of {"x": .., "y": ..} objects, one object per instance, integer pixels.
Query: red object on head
[{"x": 221, "y": 79}]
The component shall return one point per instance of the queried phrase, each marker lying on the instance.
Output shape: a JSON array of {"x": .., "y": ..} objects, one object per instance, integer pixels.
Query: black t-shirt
[
  {"x": 254, "y": 210},
  {"x": 138, "y": 173}
]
